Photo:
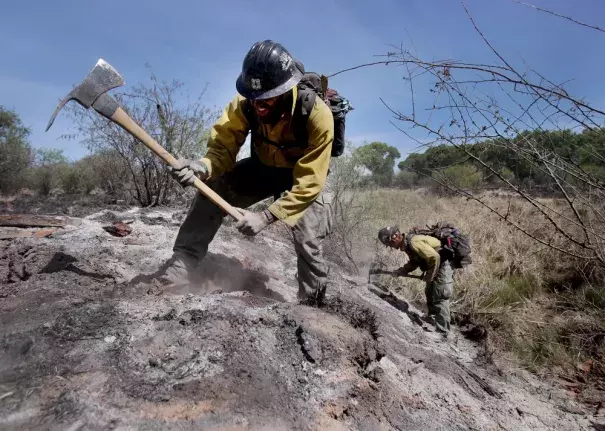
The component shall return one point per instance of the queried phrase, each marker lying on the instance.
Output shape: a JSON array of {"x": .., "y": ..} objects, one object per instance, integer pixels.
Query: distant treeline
[{"x": 529, "y": 160}]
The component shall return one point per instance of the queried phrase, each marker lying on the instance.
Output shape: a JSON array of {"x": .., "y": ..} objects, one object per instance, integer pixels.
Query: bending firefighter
[
  {"x": 291, "y": 141},
  {"x": 425, "y": 252}
]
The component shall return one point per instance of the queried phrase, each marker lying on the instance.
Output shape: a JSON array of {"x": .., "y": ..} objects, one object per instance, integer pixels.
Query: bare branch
[{"x": 575, "y": 21}]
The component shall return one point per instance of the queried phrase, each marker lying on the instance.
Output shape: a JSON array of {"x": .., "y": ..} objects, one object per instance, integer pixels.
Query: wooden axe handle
[
  {"x": 394, "y": 274},
  {"x": 124, "y": 120}
]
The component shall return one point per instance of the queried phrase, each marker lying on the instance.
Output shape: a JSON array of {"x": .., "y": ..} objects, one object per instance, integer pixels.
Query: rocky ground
[{"x": 85, "y": 345}]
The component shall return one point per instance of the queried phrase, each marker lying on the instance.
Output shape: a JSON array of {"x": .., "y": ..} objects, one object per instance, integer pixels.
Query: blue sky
[{"x": 47, "y": 46}]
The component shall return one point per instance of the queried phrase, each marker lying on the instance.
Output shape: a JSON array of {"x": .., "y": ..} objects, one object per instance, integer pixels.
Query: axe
[
  {"x": 394, "y": 274},
  {"x": 93, "y": 92},
  {"x": 375, "y": 269}
]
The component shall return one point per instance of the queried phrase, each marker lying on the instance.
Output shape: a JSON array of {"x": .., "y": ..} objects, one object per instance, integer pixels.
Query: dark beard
[{"x": 282, "y": 105}]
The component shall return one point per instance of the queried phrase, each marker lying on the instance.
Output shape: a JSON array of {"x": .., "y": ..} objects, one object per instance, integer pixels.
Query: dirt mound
[
  {"x": 207, "y": 361},
  {"x": 82, "y": 346}
]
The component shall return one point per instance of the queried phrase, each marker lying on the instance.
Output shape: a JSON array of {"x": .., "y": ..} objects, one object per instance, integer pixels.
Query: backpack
[
  {"x": 456, "y": 246},
  {"x": 339, "y": 106},
  {"x": 310, "y": 86}
]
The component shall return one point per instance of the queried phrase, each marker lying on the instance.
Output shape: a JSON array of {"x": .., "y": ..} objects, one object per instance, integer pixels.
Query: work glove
[
  {"x": 253, "y": 222},
  {"x": 186, "y": 170}
]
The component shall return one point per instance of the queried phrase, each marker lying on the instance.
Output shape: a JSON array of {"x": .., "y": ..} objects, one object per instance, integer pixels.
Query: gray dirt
[{"x": 85, "y": 345}]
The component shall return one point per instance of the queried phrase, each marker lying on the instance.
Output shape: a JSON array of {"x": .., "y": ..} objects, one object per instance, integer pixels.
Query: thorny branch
[
  {"x": 481, "y": 106},
  {"x": 575, "y": 21}
]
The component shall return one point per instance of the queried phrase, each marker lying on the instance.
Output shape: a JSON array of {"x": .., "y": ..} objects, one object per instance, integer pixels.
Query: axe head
[
  {"x": 102, "y": 78},
  {"x": 375, "y": 267}
]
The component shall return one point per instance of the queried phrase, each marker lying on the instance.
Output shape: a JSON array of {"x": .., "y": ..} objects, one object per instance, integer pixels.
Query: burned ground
[{"x": 85, "y": 345}]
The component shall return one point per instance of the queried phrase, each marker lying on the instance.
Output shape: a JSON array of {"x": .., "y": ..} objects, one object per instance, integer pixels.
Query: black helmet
[
  {"x": 385, "y": 234},
  {"x": 300, "y": 65},
  {"x": 268, "y": 71}
]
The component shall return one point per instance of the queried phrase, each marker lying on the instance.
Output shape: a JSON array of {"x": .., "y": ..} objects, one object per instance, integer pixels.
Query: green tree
[
  {"x": 463, "y": 176},
  {"x": 15, "y": 151},
  {"x": 378, "y": 158},
  {"x": 50, "y": 157},
  {"x": 507, "y": 174},
  {"x": 50, "y": 167},
  {"x": 529, "y": 159},
  {"x": 433, "y": 159},
  {"x": 415, "y": 162},
  {"x": 405, "y": 180},
  {"x": 107, "y": 170}
]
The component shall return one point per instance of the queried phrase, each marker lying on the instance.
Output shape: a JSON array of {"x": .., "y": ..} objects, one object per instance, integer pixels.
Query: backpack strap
[
  {"x": 408, "y": 239},
  {"x": 304, "y": 105}
]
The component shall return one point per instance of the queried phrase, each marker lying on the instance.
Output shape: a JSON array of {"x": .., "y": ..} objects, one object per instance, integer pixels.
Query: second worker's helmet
[{"x": 386, "y": 233}]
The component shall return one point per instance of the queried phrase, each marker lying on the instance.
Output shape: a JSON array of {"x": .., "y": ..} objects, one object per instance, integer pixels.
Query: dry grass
[{"x": 542, "y": 309}]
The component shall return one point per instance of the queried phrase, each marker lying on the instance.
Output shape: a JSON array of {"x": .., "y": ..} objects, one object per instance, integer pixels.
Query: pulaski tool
[{"x": 92, "y": 92}]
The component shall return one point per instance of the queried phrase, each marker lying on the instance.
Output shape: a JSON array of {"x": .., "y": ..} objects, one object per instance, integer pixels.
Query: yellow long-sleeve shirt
[
  {"x": 423, "y": 251},
  {"x": 309, "y": 165}
]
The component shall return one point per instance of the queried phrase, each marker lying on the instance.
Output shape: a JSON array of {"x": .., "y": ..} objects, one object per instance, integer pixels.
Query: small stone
[
  {"x": 118, "y": 229},
  {"x": 110, "y": 339}
]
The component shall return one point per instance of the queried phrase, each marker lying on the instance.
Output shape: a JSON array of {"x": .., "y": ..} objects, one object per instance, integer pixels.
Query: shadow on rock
[
  {"x": 470, "y": 329},
  {"x": 65, "y": 262},
  {"x": 359, "y": 316},
  {"x": 396, "y": 302},
  {"x": 399, "y": 304}
]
